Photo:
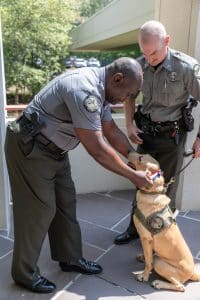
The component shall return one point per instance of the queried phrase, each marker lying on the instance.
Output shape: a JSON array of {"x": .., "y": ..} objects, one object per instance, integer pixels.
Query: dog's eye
[{"x": 140, "y": 158}]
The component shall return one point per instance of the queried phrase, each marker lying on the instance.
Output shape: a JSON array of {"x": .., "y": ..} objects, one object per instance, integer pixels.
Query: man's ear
[
  {"x": 118, "y": 78},
  {"x": 167, "y": 40}
]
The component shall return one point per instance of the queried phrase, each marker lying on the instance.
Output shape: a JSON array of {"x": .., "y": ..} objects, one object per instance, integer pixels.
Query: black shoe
[
  {"x": 125, "y": 238},
  {"x": 82, "y": 266},
  {"x": 42, "y": 285}
]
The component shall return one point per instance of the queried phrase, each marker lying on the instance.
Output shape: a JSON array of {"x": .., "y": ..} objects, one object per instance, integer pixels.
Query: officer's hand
[
  {"x": 196, "y": 148},
  {"x": 133, "y": 132},
  {"x": 142, "y": 179}
]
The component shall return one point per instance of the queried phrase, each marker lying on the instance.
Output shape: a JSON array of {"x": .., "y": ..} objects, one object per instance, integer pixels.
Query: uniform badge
[
  {"x": 91, "y": 104},
  {"x": 196, "y": 70},
  {"x": 172, "y": 76}
]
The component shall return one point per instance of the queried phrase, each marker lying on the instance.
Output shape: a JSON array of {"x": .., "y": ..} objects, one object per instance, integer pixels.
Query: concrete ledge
[{"x": 116, "y": 24}]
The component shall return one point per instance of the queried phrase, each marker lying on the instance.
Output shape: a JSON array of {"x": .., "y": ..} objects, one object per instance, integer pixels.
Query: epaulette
[{"x": 184, "y": 58}]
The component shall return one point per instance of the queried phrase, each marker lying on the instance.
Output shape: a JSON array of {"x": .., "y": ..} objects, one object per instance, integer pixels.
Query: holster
[
  {"x": 31, "y": 127},
  {"x": 187, "y": 117}
]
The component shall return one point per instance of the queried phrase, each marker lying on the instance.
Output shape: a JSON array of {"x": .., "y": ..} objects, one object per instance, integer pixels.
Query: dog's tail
[{"x": 195, "y": 276}]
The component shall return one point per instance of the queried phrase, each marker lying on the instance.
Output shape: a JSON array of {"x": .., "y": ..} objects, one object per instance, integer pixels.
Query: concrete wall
[
  {"x": 113, "y": 26},
  {"x": 89, "y": 176},
  {"x": 190, "y": 197},
  {"x": 197, "y": 40}
]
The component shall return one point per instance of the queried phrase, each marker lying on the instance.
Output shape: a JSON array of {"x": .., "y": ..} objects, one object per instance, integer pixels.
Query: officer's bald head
[
  {"x": 127, "y": 66},
  {"x": 152, "y": 29},
  {"x": 123, "y": 80},
  {"x": 154, "y": 42}
]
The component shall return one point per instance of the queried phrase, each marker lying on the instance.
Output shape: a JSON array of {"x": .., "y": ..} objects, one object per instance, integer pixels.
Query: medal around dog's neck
[{"x": 156, "y": 188}]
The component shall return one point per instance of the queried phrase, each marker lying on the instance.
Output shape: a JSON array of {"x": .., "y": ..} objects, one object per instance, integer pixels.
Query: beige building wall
[
  {"x": 197, "y": 41},
  {"x": 181, "y": 19}
]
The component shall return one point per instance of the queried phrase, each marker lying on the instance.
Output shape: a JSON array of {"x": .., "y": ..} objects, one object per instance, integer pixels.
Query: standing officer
[
  {"x": 170, "y": 78},
  {"x": 71, "y": 108}
]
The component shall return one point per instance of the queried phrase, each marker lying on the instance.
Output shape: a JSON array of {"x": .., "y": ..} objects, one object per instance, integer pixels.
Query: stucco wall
[{"x": 89, "y": 176}]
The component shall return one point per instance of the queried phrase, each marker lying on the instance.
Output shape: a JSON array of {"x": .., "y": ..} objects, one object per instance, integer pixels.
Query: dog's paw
[
  {"x": 156, "y": 284},
  {"x": 142, "y": 277},
  {"x": 159, "y": 284}
]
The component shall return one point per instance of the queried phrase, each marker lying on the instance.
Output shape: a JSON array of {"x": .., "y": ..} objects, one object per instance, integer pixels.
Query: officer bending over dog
[
  {"x": 72, "y": 108},
  {"x": 171, "y": 78}
]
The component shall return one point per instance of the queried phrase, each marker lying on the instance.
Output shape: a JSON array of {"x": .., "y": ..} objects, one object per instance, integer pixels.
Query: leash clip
[{"x": 172, "y": 180}]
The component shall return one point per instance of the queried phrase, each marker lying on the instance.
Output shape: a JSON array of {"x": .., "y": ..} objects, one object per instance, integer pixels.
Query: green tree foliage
[
  {"x": 90, "y": 7},
  {"x": 35, "y": 40}
]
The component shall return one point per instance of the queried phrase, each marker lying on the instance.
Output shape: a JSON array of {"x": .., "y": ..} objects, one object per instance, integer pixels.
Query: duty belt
[
  {"x": 156, "y": 128},
  {"x": 170, "y": 128},
  {"x": 49, "y": 145},
  {"x": 27, "y": 127}
]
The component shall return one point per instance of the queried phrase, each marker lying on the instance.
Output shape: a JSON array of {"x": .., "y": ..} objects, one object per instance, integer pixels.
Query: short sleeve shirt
[
  {"x": 75, "y": 99},
  {"x": 167, "y": 88}
]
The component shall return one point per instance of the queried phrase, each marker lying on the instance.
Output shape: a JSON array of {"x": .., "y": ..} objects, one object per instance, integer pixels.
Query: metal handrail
[
  {"x": 20, "y": 107},
  {"x": 15, "y": 107}
]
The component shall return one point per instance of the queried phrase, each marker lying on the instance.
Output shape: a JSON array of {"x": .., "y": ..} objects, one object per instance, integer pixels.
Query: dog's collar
[{"x": 154, "y": 193}]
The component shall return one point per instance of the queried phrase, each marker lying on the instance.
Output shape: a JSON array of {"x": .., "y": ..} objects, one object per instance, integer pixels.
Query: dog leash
[{"x": 172, "y": 179}]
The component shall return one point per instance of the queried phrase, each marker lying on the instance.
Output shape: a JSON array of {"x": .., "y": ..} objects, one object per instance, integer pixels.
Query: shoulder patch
[
  {"x": 196, "y": 70},
  {"x": 91, "y": 104}
]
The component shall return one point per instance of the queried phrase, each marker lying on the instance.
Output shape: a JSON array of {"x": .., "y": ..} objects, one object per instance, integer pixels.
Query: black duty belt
[
  {"x": 170, "y": 128},
  {"x": 157, "y": 128},
  {"x": 49, "y": 145},
  {"x": 27, "y": 127}
]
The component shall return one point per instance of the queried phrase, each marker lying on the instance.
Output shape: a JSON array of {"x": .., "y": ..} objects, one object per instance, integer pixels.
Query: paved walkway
[{"x": 102, "y": 216}]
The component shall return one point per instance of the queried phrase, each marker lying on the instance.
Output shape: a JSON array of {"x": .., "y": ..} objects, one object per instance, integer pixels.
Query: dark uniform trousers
[
  {"x": 169, "y": 154},
  {"x": 44, "y": 201}
]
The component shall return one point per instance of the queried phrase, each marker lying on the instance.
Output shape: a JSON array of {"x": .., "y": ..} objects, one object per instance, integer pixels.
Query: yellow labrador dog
[{"x": 164, "y": 247}]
